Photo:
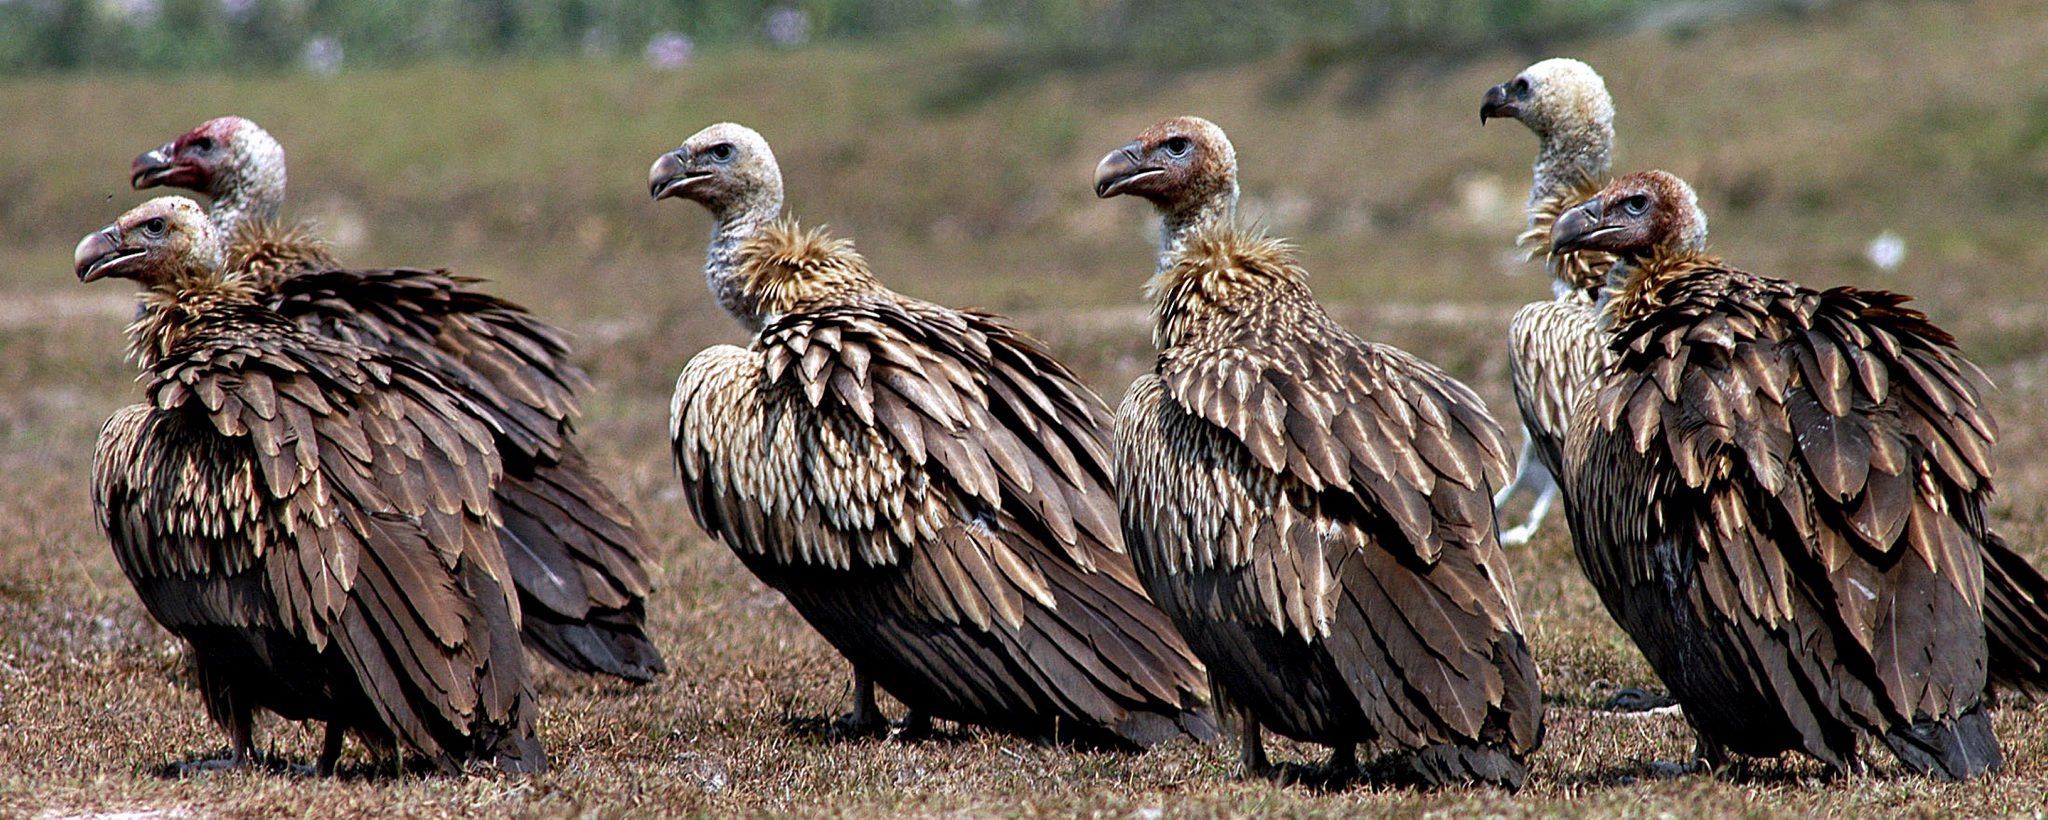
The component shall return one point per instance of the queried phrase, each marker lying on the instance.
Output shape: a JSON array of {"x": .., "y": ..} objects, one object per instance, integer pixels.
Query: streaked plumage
[
  {"x": 313, "y": 518},
  {"x": 581, "y": 564},
  {"x": 1779, "y": 493},
  {"x": 1553, "y": 345},
  {"x": 927, "y": 486},
  {"x": 1314, "y": 510}
]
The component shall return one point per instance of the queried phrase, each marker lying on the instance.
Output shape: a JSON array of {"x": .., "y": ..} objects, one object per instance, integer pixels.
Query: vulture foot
[
  {"x": 1635, "y": 699},
  {"x": 916, "y": 726},
  {"x": 854, "y": 725}
]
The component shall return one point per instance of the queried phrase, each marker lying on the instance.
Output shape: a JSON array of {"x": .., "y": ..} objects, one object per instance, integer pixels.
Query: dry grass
[{"x": 1806, "y": 139}]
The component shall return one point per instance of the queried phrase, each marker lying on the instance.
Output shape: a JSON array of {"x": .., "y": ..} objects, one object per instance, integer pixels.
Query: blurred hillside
[{"x": 326, "y": 36}]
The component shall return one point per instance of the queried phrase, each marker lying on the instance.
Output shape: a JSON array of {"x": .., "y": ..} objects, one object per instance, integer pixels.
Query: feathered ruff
[
  {"x": 315, "y": 520},
  {"x": 1555, "y": 351},
  {"x": 1314, "y": 511},
  {"x": 1578, "y": 276},
  {"x": 579, "y": 559},
  {"x": 1779, "y": 493},
  {"x": 265, "y": 252},
  {"x": 932, "y": 492}
]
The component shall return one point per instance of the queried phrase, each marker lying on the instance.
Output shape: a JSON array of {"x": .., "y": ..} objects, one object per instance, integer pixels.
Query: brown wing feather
[
  {"x": 1279, "y": 474},
  {"x": 1819, "y": 461},
  {"x": 931, "y": 490},
  {"x": 360, "y": 522}
]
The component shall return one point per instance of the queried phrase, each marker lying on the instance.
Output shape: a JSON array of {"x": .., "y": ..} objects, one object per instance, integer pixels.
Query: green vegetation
[{"x": 1806, "y": 137}]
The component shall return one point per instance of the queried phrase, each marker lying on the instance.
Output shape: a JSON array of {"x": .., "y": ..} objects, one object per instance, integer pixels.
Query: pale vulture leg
[
  {"x": 866, "y": 718},
  {"x": 1530, "y": 477}
]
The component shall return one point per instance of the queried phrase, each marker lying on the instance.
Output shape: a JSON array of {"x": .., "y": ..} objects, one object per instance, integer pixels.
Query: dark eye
[
  {"x": 1521, "y": 87},
  {"x": 721, "y": 153},
  {"x": 1636, "y": 205},
  {"x": 202, "y": 144},
  {"x": 154, "y": 227},
  {"x": 1177, "y": 147}
]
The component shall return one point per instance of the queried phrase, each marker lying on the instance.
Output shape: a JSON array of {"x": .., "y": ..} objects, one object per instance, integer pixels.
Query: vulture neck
[
  {"x": 1635, "y": 283},
  {"x": 172, "y": 308},
  {"x": 736, "y": 224},
  {"x": 1571, "y": 157},
  {"x": 255, "y": 194},
  {"x": 1178, "y": 224}
]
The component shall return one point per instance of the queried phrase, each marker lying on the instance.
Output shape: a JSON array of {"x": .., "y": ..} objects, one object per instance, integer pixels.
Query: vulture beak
[
  {"x": 1579, "y": 226},
  {"x": 670, "y": 176},
  {"x": 155, "y": 167},
  {"x": 1496, "y": 105},
  {"x": 1120, "y": 170},
  {"x": 100, "y": 254}
]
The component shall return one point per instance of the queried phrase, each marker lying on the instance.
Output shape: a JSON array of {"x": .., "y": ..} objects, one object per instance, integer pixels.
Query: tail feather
[
  {"x": 1957, "y": 749},
  {"x": 605, "y": 642},
  {"x": 1448, "y": 764},
  {"x": 2015, "y": 619}
]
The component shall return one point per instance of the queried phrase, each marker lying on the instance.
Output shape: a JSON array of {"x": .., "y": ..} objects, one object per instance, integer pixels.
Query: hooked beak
[
  {"x": 669, "y": 176},
  {"x": 100, "y": 254},
  {"x": 1579, "y": 227},
  {"x": 159, "y": 166},
  {"x": 1496, "y": 105},
  {"x": 1120, "y": 170}
]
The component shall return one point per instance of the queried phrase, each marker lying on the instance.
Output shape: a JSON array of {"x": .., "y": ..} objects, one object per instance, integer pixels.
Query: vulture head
[
  {"x": 1639, "y": 215},
  {"x": 223, "y": 157},
  {"x": 153, "y": 244},
  {"x": 1550, "y": 97},
  {"x": 728, "y": 168},
  {"x": 1181, "y": 164}
]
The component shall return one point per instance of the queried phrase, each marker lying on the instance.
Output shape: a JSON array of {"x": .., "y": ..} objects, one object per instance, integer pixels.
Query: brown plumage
[
  {"x": 313, "y": 518},
  {"x": 1313, "y": 510},
  {"x": 927, "y": 487},
  {"x": 1779, "y": 493},
  {"x": 580, "y": 562}
]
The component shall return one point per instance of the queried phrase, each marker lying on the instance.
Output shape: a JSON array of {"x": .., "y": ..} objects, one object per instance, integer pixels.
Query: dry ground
[{"x": 1807, "y": 139}]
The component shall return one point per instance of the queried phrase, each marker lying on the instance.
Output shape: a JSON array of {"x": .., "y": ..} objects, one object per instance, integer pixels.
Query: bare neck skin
[
  {"x": 1569, "y": 156},
  {"x": 253, "y": 190},
  {"x": 734, "y": 224},
  {"x": 1178, "y": 223}
]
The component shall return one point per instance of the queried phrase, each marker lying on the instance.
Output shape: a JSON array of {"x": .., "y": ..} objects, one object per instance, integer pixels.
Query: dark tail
[
  {"x": 1147, "y": 729},
  {"x": 579, "y": 564},
  {"x": 1460, "y": 765},
  {"x": 604, "y": 642},
  {"x": 1959, "y": 749},
  {"x": 2015, "y": 619}
]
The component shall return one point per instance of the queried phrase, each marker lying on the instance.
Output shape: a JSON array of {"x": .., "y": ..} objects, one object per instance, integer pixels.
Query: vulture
[
  {"x": 927, "y": 487},
  {"x": 313, "y": 518},
  {"x": 1780, "y": 493},
  {"x": 1313, "y": 510},
  {"x": 578, "y": 558},
  {"x": 1554, "y": 346}
]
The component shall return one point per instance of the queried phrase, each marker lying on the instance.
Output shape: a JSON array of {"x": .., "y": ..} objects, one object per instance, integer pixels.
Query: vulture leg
[
  {"x": 241, "y": 723},
  {"x": 866, "y": 718},
  {"x": 916, "y": 726},
  {"x": 1343, "y": 765},
  {"x": 1530, "y": 477},
  {"x": 330, "y": 750},
  {"x": 1251, "y": 755}
]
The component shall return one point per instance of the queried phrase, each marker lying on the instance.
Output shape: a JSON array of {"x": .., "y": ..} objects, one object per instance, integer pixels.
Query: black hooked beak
[
  {"x": 151, "y": 168},
  {"x": 1120, "y": 169},
  {"x": 100, "y": 253},
  {"x": 670, "y": 175},
  {"x": 1496, "y": 105},
  {"x": 1579, "y": 226}
]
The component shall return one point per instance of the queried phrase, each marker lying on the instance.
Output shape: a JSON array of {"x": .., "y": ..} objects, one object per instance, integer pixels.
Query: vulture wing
[
  {"x": 278, "y": 483},
  {"x": 576, "y": 553},
  {"x": 1809, "y": 471},
  {"x": 1280, "y": 471},
  {"x": 930, "y": 489},
  {"x": 1555, "y": 350}
]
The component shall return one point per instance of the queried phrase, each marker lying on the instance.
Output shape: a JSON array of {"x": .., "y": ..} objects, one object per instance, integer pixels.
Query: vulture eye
[
  {"x": 1178, "y": 147},
  {"x": 202, "y": 144},
  {"x": 154, "y": 227},
  {"x": 1636, "y": 205},
  {"x": 721, "y": 153},
  {"x": 1521, "y": 87}
]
